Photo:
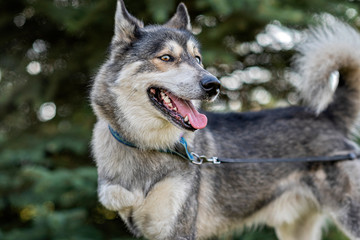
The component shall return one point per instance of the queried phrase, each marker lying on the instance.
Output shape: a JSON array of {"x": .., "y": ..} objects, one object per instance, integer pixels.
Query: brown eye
[
  {"x": 198, "y": 59},
  {"x": 166, "y": 58}
]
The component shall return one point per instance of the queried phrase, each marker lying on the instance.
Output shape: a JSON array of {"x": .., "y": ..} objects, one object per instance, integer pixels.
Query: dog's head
[{"x": 152, "y": 76}]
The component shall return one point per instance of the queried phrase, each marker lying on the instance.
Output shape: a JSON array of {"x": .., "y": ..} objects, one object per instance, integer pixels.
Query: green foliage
[{"x": 49, "y": 51}]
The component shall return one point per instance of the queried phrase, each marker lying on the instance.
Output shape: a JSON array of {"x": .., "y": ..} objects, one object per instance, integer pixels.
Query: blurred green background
[{"x": 49, "y": 53}]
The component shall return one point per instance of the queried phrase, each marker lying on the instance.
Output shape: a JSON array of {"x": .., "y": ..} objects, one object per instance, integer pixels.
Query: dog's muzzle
[{"x": 211, "y": 85}]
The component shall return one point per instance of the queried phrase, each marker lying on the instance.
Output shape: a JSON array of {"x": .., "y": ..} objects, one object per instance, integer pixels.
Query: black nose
[{"x": 210, "y": 84}]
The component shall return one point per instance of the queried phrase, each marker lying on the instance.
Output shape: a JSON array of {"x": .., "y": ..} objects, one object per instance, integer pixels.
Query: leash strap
[
  {"x": 350, "y": 156},
  {"x": 181, "y": 150},
  {"x": 203, "y": 159}
]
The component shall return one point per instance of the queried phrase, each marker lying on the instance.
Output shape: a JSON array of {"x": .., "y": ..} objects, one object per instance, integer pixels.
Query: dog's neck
[
  {"x": 151, "y": 139},
  {"x": 180, "y": 149}
]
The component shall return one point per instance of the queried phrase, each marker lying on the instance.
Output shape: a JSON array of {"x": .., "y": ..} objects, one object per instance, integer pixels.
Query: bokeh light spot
[
  {"x": 47, "y": 111},
  {"x": 33, "y": 68}
]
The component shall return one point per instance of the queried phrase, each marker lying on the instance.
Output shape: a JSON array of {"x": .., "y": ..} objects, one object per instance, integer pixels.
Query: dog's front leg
[
  {"x": 169, "y": 210},
  {"x": 116, "y": 198}
]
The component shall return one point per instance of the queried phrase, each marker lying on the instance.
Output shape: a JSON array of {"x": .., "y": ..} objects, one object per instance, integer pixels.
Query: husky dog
[{"x": 143, "y": 97}]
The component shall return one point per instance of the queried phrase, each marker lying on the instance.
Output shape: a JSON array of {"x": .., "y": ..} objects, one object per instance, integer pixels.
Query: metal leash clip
[{"x": 203, "y": 159}]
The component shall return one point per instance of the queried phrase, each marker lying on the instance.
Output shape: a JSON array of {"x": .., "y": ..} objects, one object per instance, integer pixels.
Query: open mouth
[{"x": 179, "y": 111}]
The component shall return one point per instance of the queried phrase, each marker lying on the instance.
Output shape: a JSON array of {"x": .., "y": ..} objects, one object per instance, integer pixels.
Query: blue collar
[{"x": 181, "y": 148}]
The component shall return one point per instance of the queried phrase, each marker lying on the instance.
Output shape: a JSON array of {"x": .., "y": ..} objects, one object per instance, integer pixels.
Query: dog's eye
[
  {"x": 166, "y": 58},
  {"x": 198, "y": 59}
]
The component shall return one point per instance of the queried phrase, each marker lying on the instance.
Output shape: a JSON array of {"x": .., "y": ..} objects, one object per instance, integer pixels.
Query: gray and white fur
[{"x": 162, "y": 196}]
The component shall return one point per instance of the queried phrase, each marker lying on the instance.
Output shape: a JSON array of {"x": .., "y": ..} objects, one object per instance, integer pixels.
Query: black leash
[
  {"x": 200, "y": 159},
  {"x": 181, "y": 150},
  {"x": 335, "y": 158}
]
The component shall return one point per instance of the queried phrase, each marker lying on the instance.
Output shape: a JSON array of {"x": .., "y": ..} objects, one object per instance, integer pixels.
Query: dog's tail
[{"x": 331, "y": 53}]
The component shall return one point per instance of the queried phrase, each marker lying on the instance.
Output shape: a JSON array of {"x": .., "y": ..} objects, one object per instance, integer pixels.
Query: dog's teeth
[
  {"x": 152, "y": 91},
  {"x": 170, "y": 105},
  {"x": 162, "y": 95},
  {"x": 167, "y": 99},
  {"x": 186, "y": 119},
  {"x": 175, "y": 109}
]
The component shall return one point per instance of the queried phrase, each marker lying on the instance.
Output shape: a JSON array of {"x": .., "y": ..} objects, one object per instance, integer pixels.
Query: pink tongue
[{"x": 186, "y": 108}]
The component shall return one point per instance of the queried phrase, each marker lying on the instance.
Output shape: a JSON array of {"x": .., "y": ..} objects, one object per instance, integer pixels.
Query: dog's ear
[
  {"x": 126, "y": 25},
  {"x": 181, "y": 19}
]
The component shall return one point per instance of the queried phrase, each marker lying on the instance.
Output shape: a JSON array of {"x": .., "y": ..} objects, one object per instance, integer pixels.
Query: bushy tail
[{"x": 331, "y": 51}]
